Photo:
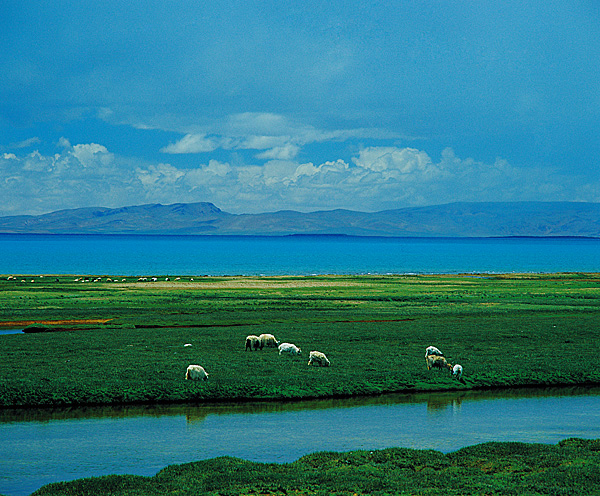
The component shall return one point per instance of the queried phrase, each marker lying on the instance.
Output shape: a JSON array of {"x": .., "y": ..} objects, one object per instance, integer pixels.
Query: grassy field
[
  {"x": 570, "y": 468},
  {"x": 122, "y": 340}
]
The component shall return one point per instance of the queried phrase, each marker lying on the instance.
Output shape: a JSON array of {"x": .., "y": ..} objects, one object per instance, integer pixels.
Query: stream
[{"x": 42, "y": 446}]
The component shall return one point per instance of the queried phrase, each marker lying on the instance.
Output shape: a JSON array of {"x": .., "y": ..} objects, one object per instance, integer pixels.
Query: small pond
[
  {"x": 42, "y": 446},
  {"x": 10, "y": 331}
]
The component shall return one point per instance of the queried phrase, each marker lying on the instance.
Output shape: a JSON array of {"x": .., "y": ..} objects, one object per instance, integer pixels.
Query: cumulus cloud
[{"x": 375, "y": 178}]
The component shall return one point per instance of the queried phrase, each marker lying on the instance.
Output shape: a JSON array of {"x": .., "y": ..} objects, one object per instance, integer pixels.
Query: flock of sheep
[
  {"x": 434, "y": 358},
  {"x": 197, "y": 372},
  {"x": 268, "y": 340}
]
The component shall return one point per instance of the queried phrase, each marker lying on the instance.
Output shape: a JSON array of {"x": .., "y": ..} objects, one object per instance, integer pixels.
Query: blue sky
[{"x": 262, "y": 105}]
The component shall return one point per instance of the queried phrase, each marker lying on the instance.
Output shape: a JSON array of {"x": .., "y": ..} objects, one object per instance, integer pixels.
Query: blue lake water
[
  {"x": 39, "y": 447},
  {"x": 290, "y": 255}
]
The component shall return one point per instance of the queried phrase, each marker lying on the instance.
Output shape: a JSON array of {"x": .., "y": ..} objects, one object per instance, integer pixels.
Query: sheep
[
  {"x": 196, "y": 373},
  {"x": 252, "y": 342},
  {"x": 439, "y": 362},
  {"x": 432, "y": 350},
  {"x": 268, "y": 340},
  {"x": 457, "y": 371},
  {"x": 290, "y": 348},
  {"x": 318, "y": 358}
]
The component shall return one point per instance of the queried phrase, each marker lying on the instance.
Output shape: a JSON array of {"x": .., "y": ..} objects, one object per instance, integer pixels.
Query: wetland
[{"x": 120, "y": 341}]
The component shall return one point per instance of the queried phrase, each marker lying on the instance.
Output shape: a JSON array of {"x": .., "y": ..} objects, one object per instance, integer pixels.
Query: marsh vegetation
[{"x": 123, "y": 340}]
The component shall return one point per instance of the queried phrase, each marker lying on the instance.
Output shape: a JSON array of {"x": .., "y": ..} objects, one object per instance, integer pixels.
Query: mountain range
[{"x": 477, "y": 219}]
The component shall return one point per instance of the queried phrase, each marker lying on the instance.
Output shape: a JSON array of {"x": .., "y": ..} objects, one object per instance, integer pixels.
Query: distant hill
[{"x": 453, "y": 219}]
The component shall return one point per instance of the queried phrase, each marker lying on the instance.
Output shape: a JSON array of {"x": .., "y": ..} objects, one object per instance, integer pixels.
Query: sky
[{"x": 260, "y": 106}]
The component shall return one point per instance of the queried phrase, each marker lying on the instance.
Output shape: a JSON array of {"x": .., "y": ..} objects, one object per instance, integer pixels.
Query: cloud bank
[{"x": 374, "y": 178}]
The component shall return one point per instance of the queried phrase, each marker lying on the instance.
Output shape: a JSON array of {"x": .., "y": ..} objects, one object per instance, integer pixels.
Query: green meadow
[
  {"x": 572, "y": 467},
  {"x": 121, "y": 340}
]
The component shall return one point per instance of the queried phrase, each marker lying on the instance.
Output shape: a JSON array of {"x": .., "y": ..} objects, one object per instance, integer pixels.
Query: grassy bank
[
  {"x": 570, "y": 468},
  {"x": 123, "y": 342}
]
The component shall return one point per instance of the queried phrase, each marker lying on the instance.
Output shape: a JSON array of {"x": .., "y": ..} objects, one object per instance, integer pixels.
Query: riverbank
[
  {"x": 505, "y": 330},
  {"x": 571, "y": 467}
]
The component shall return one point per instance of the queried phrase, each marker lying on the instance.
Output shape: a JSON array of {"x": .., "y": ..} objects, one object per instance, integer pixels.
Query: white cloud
[
  {"x": 92, "y": 155},
  {"x": 26, "y": 143},
  {"x": 376, "y": 178},
  {"x": 287, "y": 152},
  {"x": 404, "y": 160},
  {"x": 280, "y": 138},
  {"x": 191, "y": 143}
]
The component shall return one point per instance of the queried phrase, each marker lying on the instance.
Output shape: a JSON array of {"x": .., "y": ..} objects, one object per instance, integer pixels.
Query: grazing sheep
[
  {"x": 457, "y": 371},
  {"x": 252, "y": 342},
  {"x": 439, "y": 362},
  {"x": 196, "y": 373},
  {"x": 432, "y": 350},
  {"x": 290, "y": 348},
  {"x": 268, "y": 340},
  {"x": 318, "y": 358}
]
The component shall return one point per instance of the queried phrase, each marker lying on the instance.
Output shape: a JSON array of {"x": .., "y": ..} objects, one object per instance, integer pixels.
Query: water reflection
[
  {"x": 42, "y": 446},
  {"x": 196, "y": 412}
]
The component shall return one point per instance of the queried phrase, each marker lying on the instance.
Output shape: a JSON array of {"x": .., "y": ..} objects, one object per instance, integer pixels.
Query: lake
[
  {"x": 291, "y": 255},
  {"x": 42, "y": 446}
]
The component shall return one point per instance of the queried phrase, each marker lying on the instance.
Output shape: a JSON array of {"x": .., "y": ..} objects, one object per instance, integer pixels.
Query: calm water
[
  {"x": 39, "y": 447},
  {"x": 297, "y": 255}
]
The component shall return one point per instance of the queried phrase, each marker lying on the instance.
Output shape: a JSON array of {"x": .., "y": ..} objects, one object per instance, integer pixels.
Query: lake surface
[
  {"x": 40, "y": 446},
  {"x": 290, "y": 255}
]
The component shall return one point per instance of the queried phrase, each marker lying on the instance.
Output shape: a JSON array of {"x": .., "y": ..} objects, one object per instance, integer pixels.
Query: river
[{"x": 42, "y": 446}]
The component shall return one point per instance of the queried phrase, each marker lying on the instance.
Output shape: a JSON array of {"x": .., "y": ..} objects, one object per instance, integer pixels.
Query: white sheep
[
  {"x": 290, "y": 348},
  {"x": 457, "y": 371},
  {"x": 196, "y": 373},
  {"x": 432, "y": 350},
  {"x": 268, "y": 340},
  {"x": 438, "y": 362},
  {"x": 318, "y": 358},
  {"x": 252, "y": 342}
]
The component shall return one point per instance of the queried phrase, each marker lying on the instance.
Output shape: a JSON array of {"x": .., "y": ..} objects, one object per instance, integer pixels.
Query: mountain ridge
[{"x": 460, "y": 219}]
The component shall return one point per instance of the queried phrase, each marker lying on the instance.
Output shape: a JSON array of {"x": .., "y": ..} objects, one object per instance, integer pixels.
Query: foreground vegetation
[
  {"x": 570, "y": 468},
  {"x": 123, "y": 342}
]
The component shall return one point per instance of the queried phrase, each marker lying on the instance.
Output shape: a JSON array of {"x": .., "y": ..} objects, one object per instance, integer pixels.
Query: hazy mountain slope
[{"x": 454, "y": 219}]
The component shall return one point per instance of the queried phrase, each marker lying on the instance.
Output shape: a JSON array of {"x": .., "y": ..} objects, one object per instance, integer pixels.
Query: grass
[
  {"x": 572, "y": 467},
  {"x": 122, "y": 342},
  {"x": 506, "y": 330}
]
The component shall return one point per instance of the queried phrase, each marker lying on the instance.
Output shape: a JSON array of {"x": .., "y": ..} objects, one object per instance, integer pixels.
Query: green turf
[
  {"x": 570, "y": 468},
  {"x": 506, "y": 331}
]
